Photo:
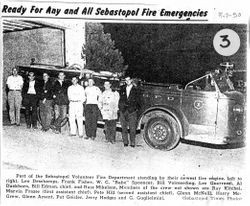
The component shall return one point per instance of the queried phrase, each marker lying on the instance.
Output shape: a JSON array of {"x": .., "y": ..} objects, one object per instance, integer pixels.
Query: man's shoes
[
  {"x": 125, "y": 145},
  {"x": 132, "y": 145},
  {"x": 72, "y": 135},
  {"x": 86, "y": 137},
  {"x": 81, "y": 136},
  {"x": 52, "y": 126},
  {"x": 45, "y": 130},
  {"x": 12, "y": 124},
  {"x": 93, "y": 138},
  {"x": 28, "y": 126},
  {"x": 56, "y": 131},
  {"x": 18, "y": 125},
  {"x": 109, "y": 141},
  {"x": 35, "y": 128}
]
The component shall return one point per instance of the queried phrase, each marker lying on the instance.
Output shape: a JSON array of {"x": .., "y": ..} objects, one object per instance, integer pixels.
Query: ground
[{"x": 24, "y": 148}]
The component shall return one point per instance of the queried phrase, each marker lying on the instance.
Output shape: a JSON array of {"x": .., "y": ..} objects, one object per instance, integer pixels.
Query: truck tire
[
  {"x": 162, "y": 132},
  {"x": 63, "y": 122}
]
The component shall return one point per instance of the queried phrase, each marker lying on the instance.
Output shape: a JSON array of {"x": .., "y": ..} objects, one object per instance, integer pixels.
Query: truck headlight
[
  {"x": 239, "y": 132},
  {"x": 238, "y": 109}
]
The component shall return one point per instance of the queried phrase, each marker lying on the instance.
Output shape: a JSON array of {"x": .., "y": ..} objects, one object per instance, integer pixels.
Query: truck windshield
[
  {"x": 212, "y": 82},
  {"x": 204, "y": 83},
  {"x": 223, "y": 82}
]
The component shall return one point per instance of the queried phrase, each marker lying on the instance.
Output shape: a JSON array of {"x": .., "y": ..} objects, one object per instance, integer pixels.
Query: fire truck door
[{"x": 200, "y": 108}]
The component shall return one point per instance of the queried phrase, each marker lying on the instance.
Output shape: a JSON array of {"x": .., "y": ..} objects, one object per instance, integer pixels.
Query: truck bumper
[{"x": 219, "y": 140}]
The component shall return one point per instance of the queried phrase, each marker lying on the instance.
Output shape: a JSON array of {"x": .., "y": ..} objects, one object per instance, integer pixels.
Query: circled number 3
[{"x": 225, "y": 40}]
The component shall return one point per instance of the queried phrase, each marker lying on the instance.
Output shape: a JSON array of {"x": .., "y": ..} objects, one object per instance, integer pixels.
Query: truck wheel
[{"x": 162, "y": 132}]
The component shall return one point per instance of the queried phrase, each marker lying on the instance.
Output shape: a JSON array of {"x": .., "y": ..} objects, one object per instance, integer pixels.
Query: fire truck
[{"x": 208, "y": 109}]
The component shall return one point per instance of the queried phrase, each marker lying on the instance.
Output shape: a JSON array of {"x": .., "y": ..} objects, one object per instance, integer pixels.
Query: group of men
[{"x": 58, "y": 99}]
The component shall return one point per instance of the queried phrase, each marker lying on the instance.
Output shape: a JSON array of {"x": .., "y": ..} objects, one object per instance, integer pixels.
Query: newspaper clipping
[{"x": 124, "y": 103}]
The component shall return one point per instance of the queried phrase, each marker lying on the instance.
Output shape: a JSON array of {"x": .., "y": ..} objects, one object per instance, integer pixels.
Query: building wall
[
  {"x": 74, "y": 38},
  {"x": 45, "y": 45}
]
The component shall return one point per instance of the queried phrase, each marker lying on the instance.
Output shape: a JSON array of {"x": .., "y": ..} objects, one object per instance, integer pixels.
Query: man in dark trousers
[
  {"x": 30, "y": 100},
  {"x": 61, "y": 101},
  {"x": 46, "y": 103},
  {"x": 91, "y": 109},
  {"x": 129, "y": 104}
]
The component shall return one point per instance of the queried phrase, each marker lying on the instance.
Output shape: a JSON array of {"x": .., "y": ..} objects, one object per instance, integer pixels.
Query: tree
[
  {"x": 172, "y": 53},
  {"x": 100, "y": 51}
]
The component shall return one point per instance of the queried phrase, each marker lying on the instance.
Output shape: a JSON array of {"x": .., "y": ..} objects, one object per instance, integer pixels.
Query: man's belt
[{"x": 18, "y": 90}]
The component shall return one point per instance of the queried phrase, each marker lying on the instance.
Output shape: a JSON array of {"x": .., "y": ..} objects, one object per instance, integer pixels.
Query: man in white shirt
[
  {"x": 128, "y": 89},
  {"x": 76, "y": 96},
  {"x": 31, "y": 92},
  {"x": 91, "y": 110},
  {"x": 129, "y": 104},
  {"x": 15, "y": 85}
]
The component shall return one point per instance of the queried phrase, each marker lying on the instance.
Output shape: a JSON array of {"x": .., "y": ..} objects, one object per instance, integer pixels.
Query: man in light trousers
[
  {"x": 15, "y": 85},
  {"x": 76, "y": 96}
]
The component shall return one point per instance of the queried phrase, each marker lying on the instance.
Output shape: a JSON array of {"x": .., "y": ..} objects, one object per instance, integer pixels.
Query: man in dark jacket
[
  {"x": 61, "y": 101},
  {"x": 129, "y": 104},
  {"x": 31, "y": 94},
  {"x": 46, "y": 103}
]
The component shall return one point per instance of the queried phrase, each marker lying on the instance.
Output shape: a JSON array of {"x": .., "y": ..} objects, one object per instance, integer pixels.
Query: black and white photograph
[{"x": 138, "y": 112}]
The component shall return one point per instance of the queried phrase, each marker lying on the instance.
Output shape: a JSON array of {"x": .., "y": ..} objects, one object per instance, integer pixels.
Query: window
[{"x": 205, "y": 83}]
